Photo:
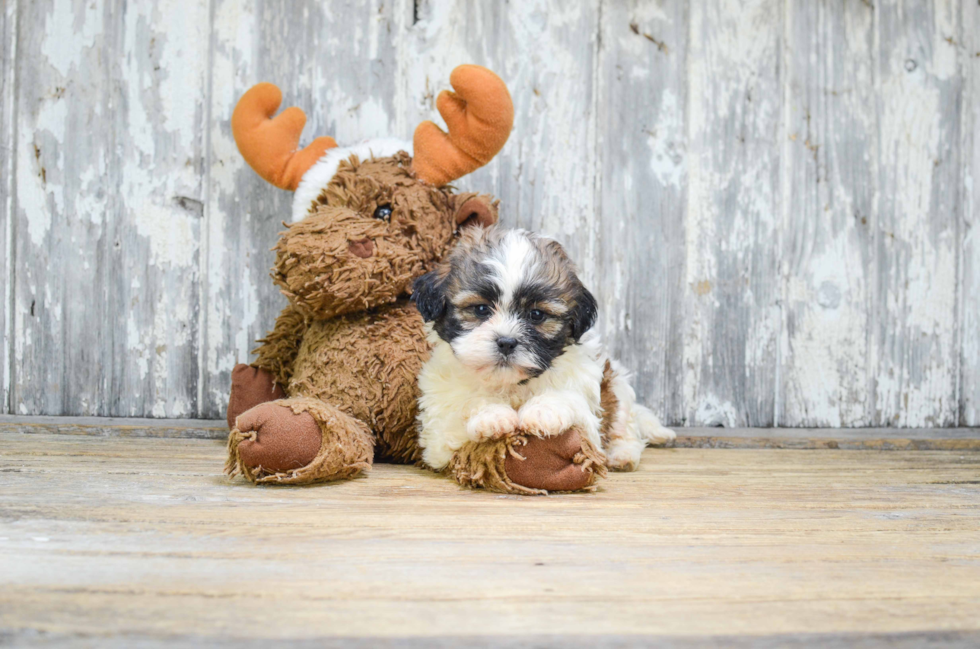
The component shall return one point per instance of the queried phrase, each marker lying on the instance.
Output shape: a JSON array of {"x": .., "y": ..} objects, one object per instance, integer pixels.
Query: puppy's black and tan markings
[{"x": 513, "y": 352}]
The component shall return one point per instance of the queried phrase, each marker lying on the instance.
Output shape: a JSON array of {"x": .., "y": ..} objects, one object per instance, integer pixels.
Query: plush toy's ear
[
  {"x": 427, "y": 293},
  {"x": 475, "y": 209},
  {"x": 584, "y": 313}
]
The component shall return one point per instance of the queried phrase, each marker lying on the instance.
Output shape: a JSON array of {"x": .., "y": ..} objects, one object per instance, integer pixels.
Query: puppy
[{"x": 509, "y": 324}]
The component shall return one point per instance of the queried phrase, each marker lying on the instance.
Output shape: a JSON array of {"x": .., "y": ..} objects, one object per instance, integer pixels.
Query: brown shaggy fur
[
  {"x": 608, "y": 401},
  {"x": 484, "y": 465},
  {"x": 374, "y": 358},
  {"x": 349, "y": 339},
  {"x": 314, "y": 267}
]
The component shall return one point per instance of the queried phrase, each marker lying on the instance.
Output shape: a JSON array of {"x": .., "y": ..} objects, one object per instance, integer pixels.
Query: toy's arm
[{"x": 279, "y": 347}]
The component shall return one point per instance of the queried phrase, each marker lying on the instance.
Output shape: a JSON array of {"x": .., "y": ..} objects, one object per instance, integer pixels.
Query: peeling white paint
[
  {"x": 714, "y": 412},
  {"x": 731, "y": 212},
  {"x": 666, "y": 143},
  {"x": 828, "y": 147},
  {"x": 916, "y": 371},
  {"x": 32, "y": 195},
  {"x": 830, "y": 295},
  {"x": 70, "y": 27}
]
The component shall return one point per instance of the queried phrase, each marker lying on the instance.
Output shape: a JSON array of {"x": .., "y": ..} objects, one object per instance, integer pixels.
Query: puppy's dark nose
[{"x": 506, "y": 344}]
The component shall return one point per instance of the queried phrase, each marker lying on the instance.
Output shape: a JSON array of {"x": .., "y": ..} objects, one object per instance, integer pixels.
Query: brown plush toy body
[
  {"x": 334, "y": 385},
  {"x": 334, "y": 423}
]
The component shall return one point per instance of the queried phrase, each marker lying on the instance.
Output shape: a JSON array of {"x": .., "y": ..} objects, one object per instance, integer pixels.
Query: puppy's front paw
[
  {"x": 492, "y": 422},
  {"x": 541, "y": 418}
]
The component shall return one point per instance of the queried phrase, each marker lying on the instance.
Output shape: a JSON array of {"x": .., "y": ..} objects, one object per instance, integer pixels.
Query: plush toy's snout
[{"x": 362, "y": 248}]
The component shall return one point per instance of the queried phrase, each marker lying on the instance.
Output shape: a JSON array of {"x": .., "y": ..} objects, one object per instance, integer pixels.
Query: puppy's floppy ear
[
  {"x": 583, "y": 314},
  {"x": 428, "y": 295}
]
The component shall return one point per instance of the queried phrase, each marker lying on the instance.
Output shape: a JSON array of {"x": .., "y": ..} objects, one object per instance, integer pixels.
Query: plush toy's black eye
[
  {"x": 481, "y": 310},
  {"x": 383, "y": 212},
  {"x": 536, "y": 316}
]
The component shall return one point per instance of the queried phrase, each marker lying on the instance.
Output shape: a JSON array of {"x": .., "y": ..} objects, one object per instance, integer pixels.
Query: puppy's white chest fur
[{"x": 460, "y": 405}]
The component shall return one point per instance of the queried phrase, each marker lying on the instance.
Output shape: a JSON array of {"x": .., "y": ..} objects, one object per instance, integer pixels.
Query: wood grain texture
[
  {"x": 104, "y": 539},
  {"x": 118, "y": 427},
  {"x": 969, "y": 293},
  {"x": 8, "y": 131},
  {"x": 109, "y": 179},
  {"x": 642, "y": 178},
  {"x": 878, "y": 439},
  {"x": 731, "y": 318},
  {"x": 916, "y": 254},
  {"x": 64, "y": 196},
  {"x": 773, "y": 200},
  {"x": 849, "y": 439},
  {"x": 907, "y": 640},
  {"x": 829, "y": 142},
  {"x": 157, "y": 110}
]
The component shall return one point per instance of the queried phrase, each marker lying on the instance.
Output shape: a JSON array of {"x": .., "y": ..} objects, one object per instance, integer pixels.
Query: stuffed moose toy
[{"x": 333, "y": 387}]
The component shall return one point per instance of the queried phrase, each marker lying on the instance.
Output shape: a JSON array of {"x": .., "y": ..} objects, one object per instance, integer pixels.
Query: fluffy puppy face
[{"x": 508, "y": 303}]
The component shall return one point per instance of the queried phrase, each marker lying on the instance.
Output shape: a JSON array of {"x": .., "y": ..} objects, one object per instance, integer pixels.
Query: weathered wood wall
[{"x": 774, "y": 200}]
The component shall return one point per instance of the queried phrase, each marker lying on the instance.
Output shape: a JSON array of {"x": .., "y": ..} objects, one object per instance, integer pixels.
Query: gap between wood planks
[{"x": 885, "y": 439}]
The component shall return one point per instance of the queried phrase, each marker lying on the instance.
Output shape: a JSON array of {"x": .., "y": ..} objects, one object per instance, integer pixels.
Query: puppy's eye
[
  {"x": 383, "y": 212},
  {"x": 537, "y": 316},
  {"x": 482, "y": 310}
]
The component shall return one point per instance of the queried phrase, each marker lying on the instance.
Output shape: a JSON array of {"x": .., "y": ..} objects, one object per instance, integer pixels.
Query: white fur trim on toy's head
[{"x": 320, "y": 174}]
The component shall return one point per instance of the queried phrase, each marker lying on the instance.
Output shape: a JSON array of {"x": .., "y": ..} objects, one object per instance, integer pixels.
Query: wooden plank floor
[{"x": 137, "y": 542}]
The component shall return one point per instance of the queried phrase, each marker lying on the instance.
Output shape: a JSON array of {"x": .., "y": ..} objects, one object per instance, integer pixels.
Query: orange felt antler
[
  {"x": 479, "y": 116},
  {"x": 270, "y": 145}
]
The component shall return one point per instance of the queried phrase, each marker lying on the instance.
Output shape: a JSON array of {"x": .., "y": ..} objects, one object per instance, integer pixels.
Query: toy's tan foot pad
[
  {"x": 251, "y": 386},
  {"x": 551, "y": 463},
  {"x": 527, "y": 464},
  {"x": 280, "y": 439},
  {"x": 300, "y": 440}
]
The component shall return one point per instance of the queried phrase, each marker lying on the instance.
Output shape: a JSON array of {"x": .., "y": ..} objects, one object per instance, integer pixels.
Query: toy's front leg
[
  {"x": 264, "y": 381},
  {"x": 300, "y": 440},
  {"x": 555, "y": 446},
  {"x": 251, "y": 386},
  {"x": 525, "y": 463}
]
